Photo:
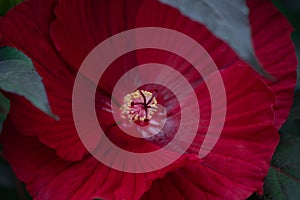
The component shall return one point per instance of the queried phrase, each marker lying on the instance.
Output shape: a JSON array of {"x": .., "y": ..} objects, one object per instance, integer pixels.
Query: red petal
[
  {"x": 248, "y": 139},
  {"x": 49, "y": 177},
  {"x": 26, "y": 27},
  {"x": 272, "y": 40},
  {"x": 238, "y": 163},
  {"x": 76, "y": 35},
  {"x": 155, "y": 14},
  {"x": 60, "y": 135}
]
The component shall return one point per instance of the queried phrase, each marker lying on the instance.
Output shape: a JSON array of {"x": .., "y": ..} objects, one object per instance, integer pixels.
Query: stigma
[{"x": 139, "y": 106}]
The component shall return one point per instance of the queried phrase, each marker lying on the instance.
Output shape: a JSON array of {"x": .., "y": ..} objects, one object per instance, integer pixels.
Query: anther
[{"x": 139, "y": 106}]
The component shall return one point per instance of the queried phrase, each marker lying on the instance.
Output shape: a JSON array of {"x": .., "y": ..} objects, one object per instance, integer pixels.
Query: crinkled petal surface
[
  {"x": 271, "y": 34},
  {"x": 58, "y": 35},
  {"x": 58, "y": 42},
  {"x": 33, "y": 18},
  {"x": 237, "y": 165},
  {"x": 49, "y": 177}
]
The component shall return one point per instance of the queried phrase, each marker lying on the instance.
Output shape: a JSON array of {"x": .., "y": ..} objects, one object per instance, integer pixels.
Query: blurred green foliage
[
  {"x": 5, "y": 5},
  {"x": 291, "y": 9}
]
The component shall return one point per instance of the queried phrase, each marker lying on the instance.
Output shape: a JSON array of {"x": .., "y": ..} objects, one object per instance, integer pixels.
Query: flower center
[{"x": 139, "y": 106}]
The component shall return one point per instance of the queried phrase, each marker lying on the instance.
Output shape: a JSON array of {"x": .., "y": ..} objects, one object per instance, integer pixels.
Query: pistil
[{"x": 139, "y": 106}]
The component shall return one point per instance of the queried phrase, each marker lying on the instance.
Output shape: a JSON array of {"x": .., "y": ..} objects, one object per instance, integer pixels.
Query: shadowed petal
[{"x": 49, "y": 177}]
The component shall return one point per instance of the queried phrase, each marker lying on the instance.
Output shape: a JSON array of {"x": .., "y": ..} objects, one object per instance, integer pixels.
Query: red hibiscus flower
[{"x": 48, "y": 155}]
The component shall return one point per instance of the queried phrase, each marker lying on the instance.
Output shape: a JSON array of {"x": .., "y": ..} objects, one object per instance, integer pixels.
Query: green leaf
[
  {"x": 228, "y": 20},
  {"x": 17, "y": 75},
  {"x": 10, "y": 187},
  {"x": 283, "y": 180},
  {"x": 292, "y": 124},
  {"x": 256, "y": 196},
  {"x": 4, "y": 108},
  {"x": 5, "y": 5}
]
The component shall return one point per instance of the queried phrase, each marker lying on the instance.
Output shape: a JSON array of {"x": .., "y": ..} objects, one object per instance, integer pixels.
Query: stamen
[{"x": 139, "y": 106}]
